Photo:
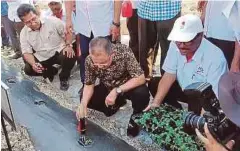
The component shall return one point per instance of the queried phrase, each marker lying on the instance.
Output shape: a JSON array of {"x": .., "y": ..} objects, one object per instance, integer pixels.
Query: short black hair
[{"x": 25, "y": 9}]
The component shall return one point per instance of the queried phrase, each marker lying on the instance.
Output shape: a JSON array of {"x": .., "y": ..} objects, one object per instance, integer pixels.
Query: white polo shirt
[
  {"x": 216, "y": 24},
  {"x": 232, "y": 13},
  {"x": 46, "y": 41},
  {"x": 94, "y": 16},
  {"x": 207, "y": 65}
]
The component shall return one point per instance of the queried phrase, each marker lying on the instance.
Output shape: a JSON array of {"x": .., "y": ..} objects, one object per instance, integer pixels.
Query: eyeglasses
[
  {"x": 33, "y": 20},
  {"x": 103, "y": 64},
  {"x": 187, "y": 43}
]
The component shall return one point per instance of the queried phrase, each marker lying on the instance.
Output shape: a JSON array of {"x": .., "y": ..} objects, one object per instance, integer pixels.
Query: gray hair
[{"x": 101, "y": 42}]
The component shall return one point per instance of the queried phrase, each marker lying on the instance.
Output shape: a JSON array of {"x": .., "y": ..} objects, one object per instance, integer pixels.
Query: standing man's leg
[
  {"x": 147, "y": 37},
  {"x": 5, "y": 38},
  {"x": 9, "y": 28},
  {"x": 84, "y": 45},
  {"x": 163, "y": 30},
  {"x": 132, "y": 25}
]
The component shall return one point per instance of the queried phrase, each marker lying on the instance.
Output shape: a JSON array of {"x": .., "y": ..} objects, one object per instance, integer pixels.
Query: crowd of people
[{"x": 193, "y": 49}]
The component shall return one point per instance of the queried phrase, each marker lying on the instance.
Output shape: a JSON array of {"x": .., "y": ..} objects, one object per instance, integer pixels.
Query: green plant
[{"x": 165, "y": 126}]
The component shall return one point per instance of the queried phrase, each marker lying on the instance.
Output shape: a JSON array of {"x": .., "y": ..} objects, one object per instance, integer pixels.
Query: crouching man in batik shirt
[{"x": 121, "y": 78}]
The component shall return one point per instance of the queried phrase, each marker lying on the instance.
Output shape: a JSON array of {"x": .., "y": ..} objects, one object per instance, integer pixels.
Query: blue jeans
[{"x": 84, "y": 46}]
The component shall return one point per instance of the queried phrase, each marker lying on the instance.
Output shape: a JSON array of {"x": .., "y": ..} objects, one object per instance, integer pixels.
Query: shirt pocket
[
  {"x": 53, "y": 38},
  {"x": 199, "y": 74}
]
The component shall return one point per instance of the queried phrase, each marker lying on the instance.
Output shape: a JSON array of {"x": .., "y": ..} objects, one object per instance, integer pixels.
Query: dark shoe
[
  {"x": 50, "y": 75},
  {"x": 133, "y": 129},
  {"x": 64, "y": 85},
  {"x": 15, "y": 56},
  {"x": 114, "y": 108}
]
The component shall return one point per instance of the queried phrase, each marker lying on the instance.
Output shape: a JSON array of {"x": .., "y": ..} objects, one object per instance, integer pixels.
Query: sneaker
[
  {"x": 64, "y": 85},
  {"x": 15, "y": 56},
  {"x": 133, "y": 129}
]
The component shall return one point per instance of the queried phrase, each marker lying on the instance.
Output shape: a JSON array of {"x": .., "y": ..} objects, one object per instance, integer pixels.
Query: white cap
[
  {"x": 186, "y": 28},
  {"x": 58, "y": 1}
]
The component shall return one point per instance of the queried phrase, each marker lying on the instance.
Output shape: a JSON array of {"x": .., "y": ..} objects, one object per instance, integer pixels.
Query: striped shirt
[{"x": 156, "y": 10}]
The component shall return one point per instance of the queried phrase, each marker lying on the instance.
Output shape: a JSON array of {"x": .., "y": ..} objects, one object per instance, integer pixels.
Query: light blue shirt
[{"x": 207, "y": 65}]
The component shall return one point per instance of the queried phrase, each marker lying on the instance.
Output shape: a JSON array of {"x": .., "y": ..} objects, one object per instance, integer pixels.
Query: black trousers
[
  {"x": 132, "y": 25},
  {"x": 139, "y": 96},
  {"x": 150, "y": 34},
  {"x": 65, "y": 62},
  {"x": 174, "y": 95},
  {"x": 227, "y": 47}
]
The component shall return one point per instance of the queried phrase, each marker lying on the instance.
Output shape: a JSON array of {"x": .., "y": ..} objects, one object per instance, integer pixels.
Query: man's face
[
  {"x": 56, "y": 8},
  {"x": 187, "y": 48},
  {"x": 32, "y": 21},
  {"x": 101, "y": 58}
]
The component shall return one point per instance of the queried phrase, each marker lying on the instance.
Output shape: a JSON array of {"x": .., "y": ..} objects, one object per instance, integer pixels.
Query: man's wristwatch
[
  {"x": 69, "y": 45},
  {"x": 119, "y": 90},
  {"x": 116, "y": 24}
]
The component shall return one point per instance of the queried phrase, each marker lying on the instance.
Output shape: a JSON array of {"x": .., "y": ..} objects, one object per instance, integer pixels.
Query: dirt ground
[{"x": 116, "y": 124}]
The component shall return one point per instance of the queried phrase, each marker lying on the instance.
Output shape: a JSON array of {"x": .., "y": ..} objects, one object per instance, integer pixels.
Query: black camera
[{"x": 219, "y": 125}]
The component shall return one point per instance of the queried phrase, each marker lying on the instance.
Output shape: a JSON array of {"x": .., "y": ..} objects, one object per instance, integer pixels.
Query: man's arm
[
  {"x": 69, "y": 9},
  {"x": 114, "y": 30},
  {"x": 29, "y": 58},
  {"x": 163, "y": 87},
  {"x": 202, "y": 5},
  {"x": 87, "y": 94},
  {"x": 235, "y": 66},
  {"x": 133, "y": 83},
  {"x": 117, "y": 10}
]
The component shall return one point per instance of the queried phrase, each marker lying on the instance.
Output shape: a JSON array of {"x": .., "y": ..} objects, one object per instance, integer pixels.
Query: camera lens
[{"x": 193, "y": 121}]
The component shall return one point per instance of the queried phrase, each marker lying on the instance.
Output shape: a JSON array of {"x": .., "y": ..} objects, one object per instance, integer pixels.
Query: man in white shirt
[
  {"x": 218, "y": 30},
  {"x": 190, "y": 58},
  {"x": 43, "y": 45},
  {"x": 93, "y": 19},
  {"x": 56, "y": 9},
  {"x": 232, "y": 13}
]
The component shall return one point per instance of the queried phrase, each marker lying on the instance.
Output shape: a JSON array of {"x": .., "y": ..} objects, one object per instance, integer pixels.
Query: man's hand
[
  {"x": 81, "y": 111},
  {"x": 210, "y": 143},
  {"x": 115, "y": 32},
  {"x": 69, "y": 52},
  {"x": 37, "y": 67},
  {"x": 111, "y": 98},
  {"x": 151, "y": 106},
  {"x": 235, "y": 66}
]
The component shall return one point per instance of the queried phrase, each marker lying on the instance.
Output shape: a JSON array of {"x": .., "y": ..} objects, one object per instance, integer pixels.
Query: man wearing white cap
[
  {"x": 190, "y": 58},
  {"x": 56, "y": 9}
]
